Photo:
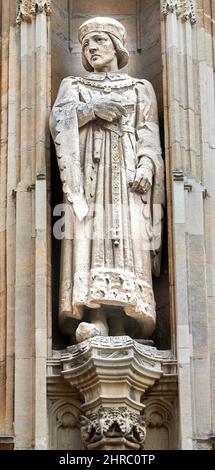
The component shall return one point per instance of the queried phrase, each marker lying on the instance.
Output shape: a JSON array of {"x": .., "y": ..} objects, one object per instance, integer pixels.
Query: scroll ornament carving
[
  {"x": 29, "y": 8},
  {"x": 113, "y": 423},
  {"x": 185, "y": 9}
]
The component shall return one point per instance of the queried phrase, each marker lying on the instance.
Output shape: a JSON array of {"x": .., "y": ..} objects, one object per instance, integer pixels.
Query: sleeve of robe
[
  {"x": 65, "y": 132},
  {"x": 149, "y": 155}
]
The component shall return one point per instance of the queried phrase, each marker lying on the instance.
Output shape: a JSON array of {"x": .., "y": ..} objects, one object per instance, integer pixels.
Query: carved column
[
  {"x": 181, "y": 157},
  {"x": 112, "y": 374},
  {"x": 188, "y": 61},
  {"x": 32, "y": 232},
  {"x": 8, "y": 94}
]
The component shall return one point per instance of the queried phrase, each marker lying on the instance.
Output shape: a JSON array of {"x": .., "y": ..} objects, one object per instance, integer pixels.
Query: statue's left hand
[{"x": 142, "y": 181}]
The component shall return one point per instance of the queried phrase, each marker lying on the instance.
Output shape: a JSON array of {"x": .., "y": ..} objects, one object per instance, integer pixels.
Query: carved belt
[
  {"x": 118, "y": 129},
  {"x": 98, "y": 127}
]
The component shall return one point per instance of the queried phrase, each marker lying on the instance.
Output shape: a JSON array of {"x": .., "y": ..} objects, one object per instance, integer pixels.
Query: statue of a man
[{"x": 106, "y": 135}]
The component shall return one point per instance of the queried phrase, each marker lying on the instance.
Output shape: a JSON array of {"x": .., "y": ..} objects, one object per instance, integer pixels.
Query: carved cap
[
  {"x": 110, "y": 26},
  {"x": 102, "y": 24}
]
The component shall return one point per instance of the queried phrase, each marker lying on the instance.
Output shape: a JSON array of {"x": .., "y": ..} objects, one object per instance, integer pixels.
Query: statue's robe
[{"x": 112, "y": 246}]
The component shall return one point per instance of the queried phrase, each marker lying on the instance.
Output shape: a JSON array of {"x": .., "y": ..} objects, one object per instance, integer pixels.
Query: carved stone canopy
[
  {"x": 185, "y": 9},
  {"x": 29, "y": 8}
]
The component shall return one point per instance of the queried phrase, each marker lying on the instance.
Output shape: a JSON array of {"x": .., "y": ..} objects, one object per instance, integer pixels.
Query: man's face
[{"x": 99, "y": 51}]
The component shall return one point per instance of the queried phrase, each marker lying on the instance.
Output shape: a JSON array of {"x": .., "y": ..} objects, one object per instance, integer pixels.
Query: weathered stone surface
[
  {"x": 29, "y": 8},
  {"x": 104, "y": 363}
]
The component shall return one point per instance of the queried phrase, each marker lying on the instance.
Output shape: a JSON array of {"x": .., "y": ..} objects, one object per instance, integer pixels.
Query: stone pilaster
[
  {"x": 112, "y": 374},
  {"x": 204, "y": 323},
  {"x": 8, "y": 95},
  {"x": 181, "y": 156},
  {"x": 189, "y": 118},
  {"x": 32, "y": 233}
]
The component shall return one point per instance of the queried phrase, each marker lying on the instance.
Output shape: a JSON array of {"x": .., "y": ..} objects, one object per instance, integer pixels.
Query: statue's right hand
[{"x": 108, "y": 109}]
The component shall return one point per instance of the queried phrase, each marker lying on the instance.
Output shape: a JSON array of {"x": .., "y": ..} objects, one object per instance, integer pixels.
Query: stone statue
[{"x": 106, "y": 135}]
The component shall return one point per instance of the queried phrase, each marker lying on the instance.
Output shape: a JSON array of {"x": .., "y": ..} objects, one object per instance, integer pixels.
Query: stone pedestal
[{"x": 112, "y": 374}]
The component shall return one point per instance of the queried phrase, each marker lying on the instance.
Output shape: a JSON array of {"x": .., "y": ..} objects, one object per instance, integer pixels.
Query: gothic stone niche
[
  {"x": 145, "y": 63},
  {"x": 160, "y": 425},
  {"x": 64, "y": 425}
]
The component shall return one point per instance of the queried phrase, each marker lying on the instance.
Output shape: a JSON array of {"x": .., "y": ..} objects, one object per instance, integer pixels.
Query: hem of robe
[{"x": 116, "y": 287}]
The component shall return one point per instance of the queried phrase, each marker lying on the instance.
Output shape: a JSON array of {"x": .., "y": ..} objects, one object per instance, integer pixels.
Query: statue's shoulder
[
  {"x": 143, "y": 83},
  {"x": 145, "y": 88},
  {"x": 70, "y": 80}
]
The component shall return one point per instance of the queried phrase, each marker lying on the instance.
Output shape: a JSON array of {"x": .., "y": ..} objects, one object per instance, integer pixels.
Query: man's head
[{"x": 102, "y": 40}]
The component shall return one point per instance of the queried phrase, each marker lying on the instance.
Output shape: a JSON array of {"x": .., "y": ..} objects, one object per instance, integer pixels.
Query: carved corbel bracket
[
  {"x": 29, "y": 8},
  {"x": 184, "y": 9},
  {"x": 112, "y": 374}
]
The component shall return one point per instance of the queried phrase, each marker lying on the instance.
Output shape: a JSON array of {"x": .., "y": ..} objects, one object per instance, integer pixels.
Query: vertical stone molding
[
  {"x": 189, "y": 119},
  {"x": 8, "y": 177},
  {"x": 29, "y": 8},
  {"x": 112, "y": 374},
  {"x": 184, "y": 9},
  {"x": 32, "y": 277}
]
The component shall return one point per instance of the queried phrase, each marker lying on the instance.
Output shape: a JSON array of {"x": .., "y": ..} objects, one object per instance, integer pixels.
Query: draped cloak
[{"x": 112, "y": 247}]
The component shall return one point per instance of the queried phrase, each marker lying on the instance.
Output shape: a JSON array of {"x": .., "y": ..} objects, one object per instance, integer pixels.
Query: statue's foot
[{"x": 86, "y": 331}]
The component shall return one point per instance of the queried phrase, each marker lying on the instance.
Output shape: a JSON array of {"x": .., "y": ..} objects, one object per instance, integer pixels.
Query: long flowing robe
[{"x": 112, "y": 246}]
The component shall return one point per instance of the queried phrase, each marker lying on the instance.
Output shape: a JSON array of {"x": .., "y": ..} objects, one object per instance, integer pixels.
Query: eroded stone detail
[
  {"x": 114, "y": 287},
  {"x": 113, "y": 423},
  {"x": 29, "y": 8},
  {"x": 185, "y": 9}
]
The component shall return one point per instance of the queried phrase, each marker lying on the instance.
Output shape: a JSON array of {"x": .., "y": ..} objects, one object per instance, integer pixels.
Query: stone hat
[
  {"x": 103, "y": 24},
  {"x": 109, "y": 26}
]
